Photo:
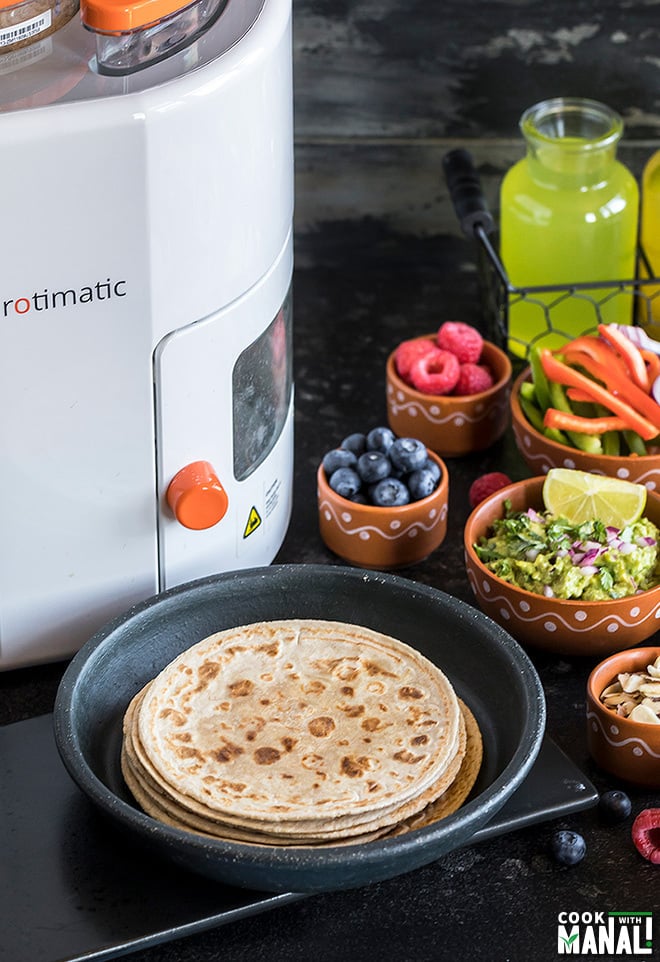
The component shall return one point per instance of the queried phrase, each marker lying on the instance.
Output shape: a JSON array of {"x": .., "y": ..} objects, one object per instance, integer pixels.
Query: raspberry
[
  {"x": 436, "y": 372},
  {"x": 463, "y": 340},
  {"x": 486, "y": 485},
  {"x": 408, "y": 352},
  {"x": 646, "y": 834},
  {"x": 473, "y": 379}
]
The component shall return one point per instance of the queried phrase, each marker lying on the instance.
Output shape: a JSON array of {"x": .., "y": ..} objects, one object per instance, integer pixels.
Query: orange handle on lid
[
  {"x": 196, "y": 496},
  {"x": 122, "y": 16}
]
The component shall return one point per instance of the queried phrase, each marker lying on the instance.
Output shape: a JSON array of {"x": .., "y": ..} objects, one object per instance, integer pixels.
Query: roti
[{"x": 299, "y": 732}]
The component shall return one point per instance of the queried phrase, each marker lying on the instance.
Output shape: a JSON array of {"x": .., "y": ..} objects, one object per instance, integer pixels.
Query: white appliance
[{"x": 146, "y": 259}]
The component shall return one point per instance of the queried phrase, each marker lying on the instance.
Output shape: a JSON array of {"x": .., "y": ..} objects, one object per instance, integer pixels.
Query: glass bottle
[
  {"x": 569, "y": 214},
  {"x": 650, "y": 240}
]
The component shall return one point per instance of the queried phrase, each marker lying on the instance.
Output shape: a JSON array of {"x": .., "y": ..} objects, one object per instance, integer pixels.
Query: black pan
[{"x": 487, "y": 667}]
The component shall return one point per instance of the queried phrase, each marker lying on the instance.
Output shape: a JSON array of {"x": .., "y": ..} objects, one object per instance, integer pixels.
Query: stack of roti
[{"x": 299, "y": 732}]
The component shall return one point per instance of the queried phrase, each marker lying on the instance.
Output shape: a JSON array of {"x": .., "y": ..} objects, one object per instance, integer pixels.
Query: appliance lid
[{"x": 63, "y": 68}]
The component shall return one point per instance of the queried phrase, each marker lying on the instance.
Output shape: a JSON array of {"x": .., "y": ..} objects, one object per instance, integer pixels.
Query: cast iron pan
[{"x": 487, "y": 667}]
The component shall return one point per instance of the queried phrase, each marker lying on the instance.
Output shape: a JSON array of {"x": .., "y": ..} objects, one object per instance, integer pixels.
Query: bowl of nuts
[
  {"x": 623, "y": 715},
  {"x": 382, "y": 500},
  {"x": 449, "y": 389}
]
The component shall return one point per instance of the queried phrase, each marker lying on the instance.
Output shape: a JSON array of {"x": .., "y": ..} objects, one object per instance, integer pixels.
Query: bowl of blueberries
[{"x": 382, "y": 500}]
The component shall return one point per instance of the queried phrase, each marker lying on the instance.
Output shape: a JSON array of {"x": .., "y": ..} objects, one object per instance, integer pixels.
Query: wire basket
[{"x": 635, "y": 299}]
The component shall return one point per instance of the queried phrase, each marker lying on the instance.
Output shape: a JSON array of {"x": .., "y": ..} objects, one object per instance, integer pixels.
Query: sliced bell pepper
[
  {"x": 635, "y": 443},
  {"x": 629, "y": 352},
  {"x": 588, "y": 442},
  {"x": 618, "y": 384},
  {"x": 561, "y": 373},
  {"x": 562, "y": 421},
  {"x": 652, "y": 361},
  {"x": 539, "y": 379}
]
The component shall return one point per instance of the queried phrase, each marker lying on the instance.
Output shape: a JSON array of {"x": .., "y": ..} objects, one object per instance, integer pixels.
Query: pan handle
[{"x": 466, "y": 193}]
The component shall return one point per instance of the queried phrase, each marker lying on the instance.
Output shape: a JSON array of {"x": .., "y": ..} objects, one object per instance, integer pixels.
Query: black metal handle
[{"x": 466, "y": 193}]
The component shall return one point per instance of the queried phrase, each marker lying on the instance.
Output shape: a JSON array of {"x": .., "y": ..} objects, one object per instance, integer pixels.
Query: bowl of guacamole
[{"x": 588, "y": 588}]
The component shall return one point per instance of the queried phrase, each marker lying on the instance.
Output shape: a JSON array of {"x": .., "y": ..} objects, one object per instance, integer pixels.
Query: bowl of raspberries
[
  {"x": 449, "y": 389},
  {"x": 382, "y": 499}
]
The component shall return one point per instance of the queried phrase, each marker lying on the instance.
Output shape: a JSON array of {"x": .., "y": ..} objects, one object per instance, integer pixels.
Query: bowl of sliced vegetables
[
  {"x": 568, "y": 562},
  {"x": 593, "y": 406}
]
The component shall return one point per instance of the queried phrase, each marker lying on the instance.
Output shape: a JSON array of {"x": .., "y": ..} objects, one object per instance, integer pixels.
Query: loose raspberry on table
[
  {"x": 408, "y": 352},
  {"x": 473, "y": 379},
  {"x": 461, "y": 339},
  {"x": 436, "y": 372},
  {"x": 486, "y": 485},
  {"x": 646, "y": 834}
]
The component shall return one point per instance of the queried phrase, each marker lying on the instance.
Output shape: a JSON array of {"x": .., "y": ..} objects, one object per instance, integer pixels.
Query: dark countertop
[{"x": 357, "y": 293}]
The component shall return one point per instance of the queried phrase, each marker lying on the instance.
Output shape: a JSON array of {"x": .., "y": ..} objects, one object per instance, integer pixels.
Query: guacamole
[{"x": 589, "y": 561}]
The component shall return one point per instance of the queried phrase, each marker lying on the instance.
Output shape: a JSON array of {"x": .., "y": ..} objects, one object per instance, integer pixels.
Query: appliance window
[{"x": 261, "y": 391}]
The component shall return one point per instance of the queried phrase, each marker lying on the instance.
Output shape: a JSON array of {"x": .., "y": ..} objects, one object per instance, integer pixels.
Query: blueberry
[
  {"x": 345, "y": 481},
  {"x": 373, "y": 466},
  {"x": 338, "y": 459},
  {"x": 421, "y": 484},
  {"x": 434, "y": 468},
  {"x": 408, "y": 454},
  {"x": 357, "y": 443},
  {"x": 614, "y": 806},
  {"x": 568, "y": 848},
  {"x": 389, "y": 493},
  {"x": 380, "y": 439}
]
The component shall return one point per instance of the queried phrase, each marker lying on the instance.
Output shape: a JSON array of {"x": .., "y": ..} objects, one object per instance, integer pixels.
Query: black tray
[{"x": 72, "y": 888}]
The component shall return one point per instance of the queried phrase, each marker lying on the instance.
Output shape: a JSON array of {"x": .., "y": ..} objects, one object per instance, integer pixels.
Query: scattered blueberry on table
[{"x": 567, "y": 847}]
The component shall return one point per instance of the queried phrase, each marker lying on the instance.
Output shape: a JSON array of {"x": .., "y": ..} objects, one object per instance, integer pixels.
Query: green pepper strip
[
  {"x": 556, "y": 371},
  {"x": 539, "y": 379},
  {"x": 635, "y": 443}
]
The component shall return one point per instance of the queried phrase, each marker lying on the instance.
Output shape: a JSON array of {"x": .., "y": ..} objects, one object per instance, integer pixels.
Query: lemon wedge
[{"x": 580, "y": 496}]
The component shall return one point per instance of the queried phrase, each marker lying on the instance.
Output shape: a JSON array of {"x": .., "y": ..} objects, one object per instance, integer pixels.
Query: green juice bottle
[
  {"x": 649, "y": 229},
  {"x": 569, "y": 214}
]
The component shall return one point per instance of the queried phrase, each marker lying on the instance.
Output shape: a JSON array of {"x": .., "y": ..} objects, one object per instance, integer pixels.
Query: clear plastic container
[
  {"x": 569, "y": 214},
  {"x": 135, "y": 34},
  {"x": 24, "y": 23}
]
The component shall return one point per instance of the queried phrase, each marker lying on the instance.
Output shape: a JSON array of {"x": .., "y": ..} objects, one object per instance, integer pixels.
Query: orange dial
[{"x": 196, "y": 496}]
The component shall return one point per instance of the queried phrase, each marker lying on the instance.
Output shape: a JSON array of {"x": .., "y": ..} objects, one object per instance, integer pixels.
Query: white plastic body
[{"x": 155, "y": 246}]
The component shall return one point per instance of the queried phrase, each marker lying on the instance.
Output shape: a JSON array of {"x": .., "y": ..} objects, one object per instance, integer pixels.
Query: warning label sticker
[{"x": 253, "y": 522}]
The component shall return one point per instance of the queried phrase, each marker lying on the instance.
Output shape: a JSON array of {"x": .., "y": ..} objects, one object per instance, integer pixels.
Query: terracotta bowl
[
  {"x": 381, "y": 538},
  {"x": 565, "y": 627},
  {"x": 540, "y": 454},
  {"x": 628, "y": 749},
  {"x": 452, "y": 426}
]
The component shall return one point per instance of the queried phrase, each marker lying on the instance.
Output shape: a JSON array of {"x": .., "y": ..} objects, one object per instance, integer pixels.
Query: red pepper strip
[
  {"x": 617, "y": 384},
  {"x": 652, "y": 362},
  {"x": 598, "y": 350},
  {"x": 575, "y": 394},
  {"x": 557, "y": 371},
  {"x": 561, "y": 421},
  {"x": 629, "y": 352}
]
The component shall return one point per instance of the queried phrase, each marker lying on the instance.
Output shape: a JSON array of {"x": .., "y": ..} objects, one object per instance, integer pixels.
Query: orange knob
[{"x": 196, "y": 496}]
